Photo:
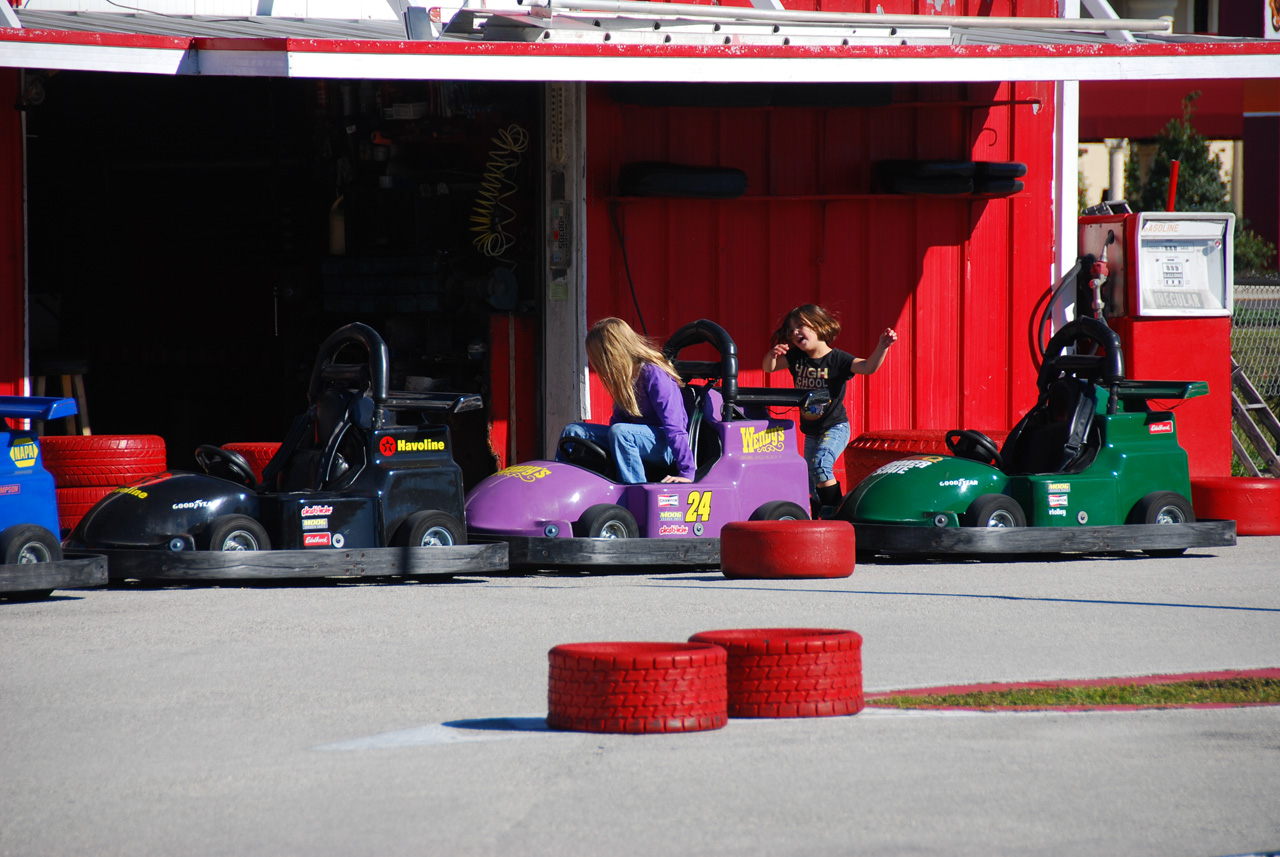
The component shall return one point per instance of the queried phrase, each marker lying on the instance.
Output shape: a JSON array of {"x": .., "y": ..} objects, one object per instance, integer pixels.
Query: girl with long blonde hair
[{"x": 649, "y": 423}]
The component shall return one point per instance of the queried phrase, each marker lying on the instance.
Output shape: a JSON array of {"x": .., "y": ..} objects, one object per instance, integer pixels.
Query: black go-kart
[{"x": 364, "y": 484}]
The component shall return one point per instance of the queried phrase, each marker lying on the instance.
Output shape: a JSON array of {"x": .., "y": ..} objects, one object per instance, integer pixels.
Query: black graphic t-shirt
[{"x": 831, "y": 372}]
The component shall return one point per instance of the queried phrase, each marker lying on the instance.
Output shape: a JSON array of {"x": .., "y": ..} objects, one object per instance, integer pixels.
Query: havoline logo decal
[{"x": 427, "y": 445}]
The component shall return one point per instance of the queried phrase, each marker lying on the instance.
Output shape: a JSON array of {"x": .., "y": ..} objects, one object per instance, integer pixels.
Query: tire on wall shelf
[
  {"x": 1253, "y": 502},
  {"x": 772, "y": 550},
  {"x": 791, "y": 672},
  {"x": 637, "y": 687}
]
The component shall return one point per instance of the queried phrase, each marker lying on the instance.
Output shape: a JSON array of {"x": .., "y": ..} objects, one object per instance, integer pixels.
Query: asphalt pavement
[{"x": 407, "y": 718}]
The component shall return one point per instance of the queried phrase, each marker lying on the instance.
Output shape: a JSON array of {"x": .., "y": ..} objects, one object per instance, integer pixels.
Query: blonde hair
[
  {"x": 811, "y": 316},
  {"x": 617, "y": 354}
]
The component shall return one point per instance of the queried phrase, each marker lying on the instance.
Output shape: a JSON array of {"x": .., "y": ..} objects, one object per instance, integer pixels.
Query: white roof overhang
[{"x": 540, "y": 44}]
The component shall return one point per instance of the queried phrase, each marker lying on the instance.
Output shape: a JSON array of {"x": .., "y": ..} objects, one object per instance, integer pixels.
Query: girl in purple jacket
[{"x": 649, "y": 423}]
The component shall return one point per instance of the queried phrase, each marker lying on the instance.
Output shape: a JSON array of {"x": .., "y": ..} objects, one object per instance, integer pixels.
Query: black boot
[{"x": 829, "y": 497}]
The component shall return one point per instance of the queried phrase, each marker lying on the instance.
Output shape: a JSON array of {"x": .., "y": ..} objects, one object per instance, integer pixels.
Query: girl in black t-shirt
[{"x": 803, "y": 341}]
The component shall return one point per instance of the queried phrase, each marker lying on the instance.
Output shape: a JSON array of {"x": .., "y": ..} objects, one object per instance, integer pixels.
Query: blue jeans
[
  {"x": 822, "y": 451},
  {"x": 629, "y": 445}
]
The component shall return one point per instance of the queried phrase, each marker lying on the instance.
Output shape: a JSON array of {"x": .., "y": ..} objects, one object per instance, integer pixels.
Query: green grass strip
[{"x": 1234, "y": 691}]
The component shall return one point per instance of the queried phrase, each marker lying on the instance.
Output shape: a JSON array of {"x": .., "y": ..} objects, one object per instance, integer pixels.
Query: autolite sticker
[
  {"x": 315, "y": 523},
  {"x": 24, "y": 453},
  {"x": 1165, "y": 427},
  {"x": 313, "y": 511},
  {"x": 673, "y": 530},
  {"x": 315, "y": 540},
  {"x": 769, "y": 440},
  {"x": 668, "y": 499},
  {"x": 1058, "y": 500},
  {"x": 525, "y": 472}
]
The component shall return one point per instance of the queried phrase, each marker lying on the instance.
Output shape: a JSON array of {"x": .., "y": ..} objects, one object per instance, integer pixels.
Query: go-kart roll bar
[
  {"x": 1107, "y": 367},
  {"x": 378, "y": 366},
  {"x": 726, "y": 369}
]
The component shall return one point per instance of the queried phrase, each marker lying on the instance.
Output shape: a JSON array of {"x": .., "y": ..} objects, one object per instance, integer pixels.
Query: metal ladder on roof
[{"x": 1251, "y": 413}]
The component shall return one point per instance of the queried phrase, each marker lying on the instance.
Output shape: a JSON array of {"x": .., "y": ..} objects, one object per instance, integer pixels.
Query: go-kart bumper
[
  {"x": 899, "y": 540},
  {"x": 81, "y": 572},
  {"x": 123, "y": 564},
  {"x": 527, "y": 552}
]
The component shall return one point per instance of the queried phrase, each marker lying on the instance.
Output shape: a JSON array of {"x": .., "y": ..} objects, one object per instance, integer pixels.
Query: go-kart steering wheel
[
  {"x": 975, "y": 446},
  {"x": 584, "y": 453},
  {"x": 225, "y": 464}
]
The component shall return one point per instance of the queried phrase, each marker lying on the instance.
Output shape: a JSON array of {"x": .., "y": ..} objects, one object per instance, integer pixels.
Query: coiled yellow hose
[{"x": 491, "y": 215}]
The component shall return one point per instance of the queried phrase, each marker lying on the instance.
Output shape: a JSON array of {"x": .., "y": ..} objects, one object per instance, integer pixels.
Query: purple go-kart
[{"x": 561, "y": 514}]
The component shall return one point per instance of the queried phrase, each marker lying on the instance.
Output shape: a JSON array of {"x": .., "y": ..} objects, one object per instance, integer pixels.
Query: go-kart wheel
[
  {"x": 235, "y": 533},
  {"x": 584, "y": 452},
  {"x": 606, "y": 521},
  {"x": 431, "y": 529},
  {"x": 779, "y": 510},
  {"x": 1163, "y": 507},
  {"x": 25, "y": 544},
  {"x": 225, "y": 464},
  {"x": 994, "y": 510},
  {"x": 975, "y": 446}
]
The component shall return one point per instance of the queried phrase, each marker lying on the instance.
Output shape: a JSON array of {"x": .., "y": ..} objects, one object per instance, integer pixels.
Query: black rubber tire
[
  {"x": 606, "y": 521},
  {"x": 1163, "y": 507},
  {"x": 28, "y": 543},
  {"x": 431, "y": 529},
  {"x": 989, "y": 509},
  {"x": 235, "y": 533},
  {"x": 779, "y": 510}
]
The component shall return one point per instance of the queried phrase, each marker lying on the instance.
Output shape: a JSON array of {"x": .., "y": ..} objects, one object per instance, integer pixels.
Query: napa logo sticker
[
  {"x": 769, "y": 440},
  {"x": 24, "y": 453},
  {"x": 525, "y": 472}
]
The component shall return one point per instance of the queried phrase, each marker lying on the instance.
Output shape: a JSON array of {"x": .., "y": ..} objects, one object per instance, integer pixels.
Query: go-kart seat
[
  {"x": 1058, "y": 435},
  {"x": 335, "y": 412}
]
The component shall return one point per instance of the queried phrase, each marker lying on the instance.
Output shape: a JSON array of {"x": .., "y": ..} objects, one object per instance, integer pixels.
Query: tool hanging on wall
[{"x": 491, "y": 214}]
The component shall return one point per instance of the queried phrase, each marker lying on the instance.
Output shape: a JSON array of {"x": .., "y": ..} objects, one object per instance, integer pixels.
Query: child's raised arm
[
  {"x": 872, "y": 363},
  {"x": 774, "y": 358}
]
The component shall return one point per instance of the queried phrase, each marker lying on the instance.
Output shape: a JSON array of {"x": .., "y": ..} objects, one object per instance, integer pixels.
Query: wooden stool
[{"x": 70, "y": 372}]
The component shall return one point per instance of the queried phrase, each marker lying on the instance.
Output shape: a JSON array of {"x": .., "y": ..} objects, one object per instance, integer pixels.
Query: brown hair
[
  {"x": 617, "y": 353},
  {"x": 811, "y": 316}
]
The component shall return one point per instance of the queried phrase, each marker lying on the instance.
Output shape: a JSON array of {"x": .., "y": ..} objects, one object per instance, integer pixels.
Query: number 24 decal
[{"x": 699, "y": 506}]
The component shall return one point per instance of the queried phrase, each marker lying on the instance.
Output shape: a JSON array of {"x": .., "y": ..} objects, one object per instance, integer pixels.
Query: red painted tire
[
  {"x": 791, "y": 672},
  {"x": 1253, "y": 502},
  {"x": 104, "y": 447},
  {"x": 257, "y": 454},
  {"x": 873, "y": 449},
  {"x": 73, "y": 503},
  {"x": 637, "y": 687},
  {"x": 102, "y": 475},
  {"x": 768, "y": 550}
]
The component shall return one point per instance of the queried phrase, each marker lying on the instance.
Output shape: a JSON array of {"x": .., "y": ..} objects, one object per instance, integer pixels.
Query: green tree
[{"x": 1200, "y": 186}]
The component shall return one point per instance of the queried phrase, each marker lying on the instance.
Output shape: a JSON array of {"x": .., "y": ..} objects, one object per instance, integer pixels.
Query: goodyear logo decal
[
  {"x": 769, "y": 440},
  {"x": 24, "y": 453},
  {"x": 525, "y": 472}
]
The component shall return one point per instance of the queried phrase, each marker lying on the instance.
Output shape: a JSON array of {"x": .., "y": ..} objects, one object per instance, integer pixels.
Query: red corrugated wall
[{"x": 959, "y": 278}]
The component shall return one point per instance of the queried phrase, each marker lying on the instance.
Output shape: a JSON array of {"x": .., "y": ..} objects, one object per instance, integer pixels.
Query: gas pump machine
[{"x": 1164, "y": 282}]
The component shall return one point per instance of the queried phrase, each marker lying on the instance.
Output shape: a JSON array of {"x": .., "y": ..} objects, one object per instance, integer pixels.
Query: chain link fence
[{"x": 1255, "y": 346}]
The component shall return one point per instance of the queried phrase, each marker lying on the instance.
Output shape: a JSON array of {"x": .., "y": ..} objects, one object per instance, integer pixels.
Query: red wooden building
[{"x": 964, "y": 278}]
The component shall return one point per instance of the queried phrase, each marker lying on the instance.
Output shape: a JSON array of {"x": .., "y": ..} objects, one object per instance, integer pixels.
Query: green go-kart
[{"x": 1091, "y": 468}]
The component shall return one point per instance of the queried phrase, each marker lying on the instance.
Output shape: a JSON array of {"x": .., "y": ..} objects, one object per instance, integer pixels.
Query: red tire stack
[
  {"x": 257, "y": 454},
  {"x": 772, "y": 550},
  {"x": 637, "y": 687},
  {"x": 791, "y": 672},
  {"x": 86, "y": 468}
]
